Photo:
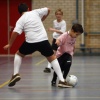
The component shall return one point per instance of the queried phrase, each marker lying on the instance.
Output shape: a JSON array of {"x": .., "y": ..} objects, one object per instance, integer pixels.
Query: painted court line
[
  {"x": 5, "y": 83},
  {"x": 38, "y": 63}
]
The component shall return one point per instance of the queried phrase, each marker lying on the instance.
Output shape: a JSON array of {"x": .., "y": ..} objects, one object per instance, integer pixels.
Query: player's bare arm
[
  {"x": 45, "y": 16},
  {"x": 55, "y": 30},
  {"x": 12, "y": 39}
]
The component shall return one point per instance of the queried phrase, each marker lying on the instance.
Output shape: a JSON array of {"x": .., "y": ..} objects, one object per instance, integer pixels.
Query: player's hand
[
  {"x": 6, "y": 47},
  {"x": 57, "y": 42}
]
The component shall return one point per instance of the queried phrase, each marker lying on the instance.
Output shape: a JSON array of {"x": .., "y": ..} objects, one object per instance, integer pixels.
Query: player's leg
[
  {"x": 54, "y": 62},
  {"x": 47, "y": 51},
  {"x": 56, "y": 67},
  {"x": 17, "y": 63},
  {"x": 54, "y": 47},
  {"x": 48, "y": 68},
  {"x": 18, "y": 60},
  {"x": 67, "y": 65},
  {"x": 53, "y": 82}
]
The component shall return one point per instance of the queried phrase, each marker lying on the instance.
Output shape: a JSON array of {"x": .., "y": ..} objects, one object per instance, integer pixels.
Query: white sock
[
  {"x": 57, "y": 69},
  {"x": 49, "y": 65},
  {"x": 17, "y": 63}
]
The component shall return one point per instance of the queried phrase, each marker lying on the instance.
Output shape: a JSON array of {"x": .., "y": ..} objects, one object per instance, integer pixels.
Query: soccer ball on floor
[{"x": 72, "y": 80}]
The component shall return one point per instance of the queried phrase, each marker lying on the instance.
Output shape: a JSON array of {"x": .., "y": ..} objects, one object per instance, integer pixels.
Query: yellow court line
[
  {"x": 38, "y": 63},
  {"x": 5, "y": 83}
]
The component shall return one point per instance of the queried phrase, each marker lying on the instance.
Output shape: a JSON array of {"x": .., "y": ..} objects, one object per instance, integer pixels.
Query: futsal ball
[{"x": 72, "y": 80}]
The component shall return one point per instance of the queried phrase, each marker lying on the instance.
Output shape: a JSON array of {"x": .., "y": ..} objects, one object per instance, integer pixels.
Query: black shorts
[
  {"x": 54, "y": 46},
  {"x": 64, "y": 58},
  {"x": 43, "y": 47}
]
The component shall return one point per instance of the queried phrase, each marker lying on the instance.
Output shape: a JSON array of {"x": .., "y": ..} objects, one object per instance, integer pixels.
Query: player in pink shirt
[{"x": 65, "y": 51}]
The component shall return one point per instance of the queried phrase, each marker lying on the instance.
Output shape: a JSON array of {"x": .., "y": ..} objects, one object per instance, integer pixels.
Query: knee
[{"x": 18, "y": 53}]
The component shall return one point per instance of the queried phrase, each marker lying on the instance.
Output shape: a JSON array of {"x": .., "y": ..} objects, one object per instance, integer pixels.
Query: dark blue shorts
[{"x": 43, "y": 47}]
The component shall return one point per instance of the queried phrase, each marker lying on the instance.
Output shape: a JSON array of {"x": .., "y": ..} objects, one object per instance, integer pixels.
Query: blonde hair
[{"x": 59, "y": 10}]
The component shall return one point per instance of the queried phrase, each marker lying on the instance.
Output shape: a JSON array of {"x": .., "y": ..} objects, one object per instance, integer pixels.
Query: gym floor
[{"x": 36, "y": 85}]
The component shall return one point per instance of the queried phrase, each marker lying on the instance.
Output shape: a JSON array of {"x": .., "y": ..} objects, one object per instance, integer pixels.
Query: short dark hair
[
  {"x": 22, "y": 7},
  {"x": 77, "y": 28}
]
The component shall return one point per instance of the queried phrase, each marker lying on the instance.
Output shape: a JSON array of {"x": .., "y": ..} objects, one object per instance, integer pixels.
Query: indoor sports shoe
[
  {"x": 53, "y": 83},
  {"x": 64, "y": 84},
  {"x": 47, "y": 70},
  {"x": 14, "y": 79}
]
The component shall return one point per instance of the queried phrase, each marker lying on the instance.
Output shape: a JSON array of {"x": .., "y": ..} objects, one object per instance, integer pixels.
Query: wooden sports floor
[{"x": 36, "y": 85}]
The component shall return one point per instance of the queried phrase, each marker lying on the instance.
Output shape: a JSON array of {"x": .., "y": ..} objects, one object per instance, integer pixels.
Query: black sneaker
[
  {"x": 14, "y": 79},
  {"x": 53, "y": 83},
  {"x": 64, "y": 84},
  {"x": 52, "y": 67},
  {"x": 47, "y": 70}
]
